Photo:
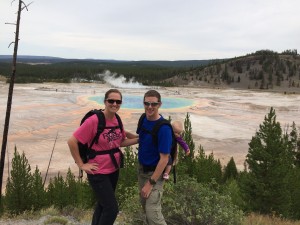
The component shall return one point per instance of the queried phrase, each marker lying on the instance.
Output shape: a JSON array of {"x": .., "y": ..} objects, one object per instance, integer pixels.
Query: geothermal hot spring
[{"x": 136, "y": 102}]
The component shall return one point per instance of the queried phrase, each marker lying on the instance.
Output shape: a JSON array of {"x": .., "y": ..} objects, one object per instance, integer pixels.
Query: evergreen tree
[
  {"x": 269, "y": 160},
  {"x": 295, "y": 175},
  {"x": 128, "y": 177},
  {"x": 230, "y": 171},
  {"x": 231, "y": 187},
  {"x": 72, "y": 188},
  {"x": 225, "y": 75},
  {"x": 186, "y": 163},
  {"x": 85, "y": 194},
  {"x": 57, "y": 192},
  {"x": 19, "y": 193},
  {"x": 206, "y": 168},
  {"x": 38, "y": 194},
  {"x": 295, "y": 142},
  {"x": 187, "y": 135},
  {"x": 79, "y": 193},
  {"x": 295, "y": 193}
]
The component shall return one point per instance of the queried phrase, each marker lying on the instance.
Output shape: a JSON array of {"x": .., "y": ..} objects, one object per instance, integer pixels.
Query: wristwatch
[{"x": 151, "y": 181}]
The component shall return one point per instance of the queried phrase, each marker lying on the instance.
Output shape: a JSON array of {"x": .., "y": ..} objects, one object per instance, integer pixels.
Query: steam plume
[{"x": 119, "y": 82}]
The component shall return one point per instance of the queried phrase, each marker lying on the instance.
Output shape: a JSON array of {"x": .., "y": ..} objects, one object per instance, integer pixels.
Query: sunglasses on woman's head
[
  {"x": 112, "y": 101},
  {"x": 153, "y": 104}
]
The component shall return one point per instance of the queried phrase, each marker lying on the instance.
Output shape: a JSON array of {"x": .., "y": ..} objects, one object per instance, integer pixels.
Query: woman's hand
[{"x": 89, "y": 167}]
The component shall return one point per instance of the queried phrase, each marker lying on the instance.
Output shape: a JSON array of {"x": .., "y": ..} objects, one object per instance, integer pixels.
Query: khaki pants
[{"x": 152, "y": 205}]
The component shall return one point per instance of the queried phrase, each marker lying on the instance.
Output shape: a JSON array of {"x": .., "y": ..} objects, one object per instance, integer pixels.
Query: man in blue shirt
[{"x": 153, "y": 159}]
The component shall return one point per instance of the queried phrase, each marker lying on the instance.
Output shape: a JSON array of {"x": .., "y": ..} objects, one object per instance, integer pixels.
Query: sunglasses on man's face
[
  {"x": 153, "y": 104},
  {"x": 112, "y": 101}
]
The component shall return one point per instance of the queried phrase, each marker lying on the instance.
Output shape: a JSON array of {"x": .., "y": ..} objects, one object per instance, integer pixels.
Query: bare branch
[
  {"x": 11, "y": 43},
  {"x": 25, "y": 6},
  {"x": 11, "y": 23}
]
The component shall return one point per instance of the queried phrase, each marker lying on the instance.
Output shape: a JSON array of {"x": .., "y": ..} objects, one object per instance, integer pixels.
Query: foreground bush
[{"x": 188, "y": 202}]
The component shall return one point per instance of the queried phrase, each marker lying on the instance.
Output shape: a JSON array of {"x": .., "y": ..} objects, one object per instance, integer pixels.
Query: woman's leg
[{"x": 104, "y": 186}]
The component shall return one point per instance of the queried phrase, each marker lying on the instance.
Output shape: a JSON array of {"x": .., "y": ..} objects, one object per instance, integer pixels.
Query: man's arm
[{"x": 162, "y": 163}]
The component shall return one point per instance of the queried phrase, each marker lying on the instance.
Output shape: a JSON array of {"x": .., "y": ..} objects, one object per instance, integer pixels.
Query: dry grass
[
  {"x": 83, "y": 217},
  {"x": 255, "y": 219},
  {"x": 2, "y": 78}
]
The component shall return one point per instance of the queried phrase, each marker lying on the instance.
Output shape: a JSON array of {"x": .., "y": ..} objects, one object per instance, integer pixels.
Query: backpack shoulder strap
[
  {"x": 101, "y": 124},
  {"x": 139, "y": 126},
  {"x": 119, "y": 122},
  {"x": 156, "y": 128}
]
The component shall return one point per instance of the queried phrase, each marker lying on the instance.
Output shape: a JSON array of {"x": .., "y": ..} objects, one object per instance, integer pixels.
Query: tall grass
[{"x": 256, "y": 219}]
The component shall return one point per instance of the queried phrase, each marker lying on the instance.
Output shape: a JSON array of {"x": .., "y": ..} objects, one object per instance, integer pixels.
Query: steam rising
[{"x": 120, "y": 81}]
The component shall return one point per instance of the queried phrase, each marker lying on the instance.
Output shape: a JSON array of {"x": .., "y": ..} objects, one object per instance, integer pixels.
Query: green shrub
[{"x": 189, "y": 202}]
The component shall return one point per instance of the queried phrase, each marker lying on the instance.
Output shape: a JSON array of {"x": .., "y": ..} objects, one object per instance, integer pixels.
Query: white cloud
[{"x": 152, "y": 30}]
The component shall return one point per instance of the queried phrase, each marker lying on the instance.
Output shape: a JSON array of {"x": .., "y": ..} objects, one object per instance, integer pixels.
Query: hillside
[{"x": 262, "y": 70}]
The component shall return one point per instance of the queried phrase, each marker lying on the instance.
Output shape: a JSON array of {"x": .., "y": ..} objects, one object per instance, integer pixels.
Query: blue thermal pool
[{"x": 136, "y": 102}]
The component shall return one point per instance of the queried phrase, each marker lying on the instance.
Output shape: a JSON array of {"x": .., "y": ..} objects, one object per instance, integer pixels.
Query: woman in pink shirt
[{"x": 103, "y": 170}]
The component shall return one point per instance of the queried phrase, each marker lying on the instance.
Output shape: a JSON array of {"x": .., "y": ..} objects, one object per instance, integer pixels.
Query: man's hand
[{"x": 146, "y": 190}]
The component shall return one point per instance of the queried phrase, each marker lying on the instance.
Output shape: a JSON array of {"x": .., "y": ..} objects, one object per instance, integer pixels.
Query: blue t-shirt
[{"x": 148, "y": 153}]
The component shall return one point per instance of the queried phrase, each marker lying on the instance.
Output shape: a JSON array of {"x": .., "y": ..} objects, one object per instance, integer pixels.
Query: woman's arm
[
  {"x": 129, "y": 141},
  {"x": 73, "y": 146},
  {"x": 130, "y": 135},
  {"x": 74, "y": 149}
]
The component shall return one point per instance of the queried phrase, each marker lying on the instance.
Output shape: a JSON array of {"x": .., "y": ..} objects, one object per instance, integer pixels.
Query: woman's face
[{"x": 113, "y": 102}]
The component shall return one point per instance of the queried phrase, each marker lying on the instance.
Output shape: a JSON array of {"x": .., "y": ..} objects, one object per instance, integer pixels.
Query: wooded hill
[
  {"x": 264, "y": 69},
  {"x": 33, "y": 70}
]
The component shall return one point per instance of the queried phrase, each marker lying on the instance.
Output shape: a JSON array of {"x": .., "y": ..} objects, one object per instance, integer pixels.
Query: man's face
[{"x": 151, "y": 105}]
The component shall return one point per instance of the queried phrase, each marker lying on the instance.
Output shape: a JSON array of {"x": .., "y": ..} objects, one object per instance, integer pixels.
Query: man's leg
[
  {"x": 152, "y": 205},
  {"x": 153, "y": 208}
]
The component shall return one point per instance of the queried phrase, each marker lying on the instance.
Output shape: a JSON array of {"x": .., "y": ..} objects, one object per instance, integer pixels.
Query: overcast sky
[{"x": 151, "y": 29}]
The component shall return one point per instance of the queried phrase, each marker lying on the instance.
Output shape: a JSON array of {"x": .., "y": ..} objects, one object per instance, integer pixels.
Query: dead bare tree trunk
[
  {"x": 50, "y": 161},
  {"x": 10, "y": 94}
]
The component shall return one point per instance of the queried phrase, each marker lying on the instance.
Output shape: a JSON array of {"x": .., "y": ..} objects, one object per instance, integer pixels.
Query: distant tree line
[
  {"x": 263, "y": 69},
  {"x": 205, "y": 191},
  {"x": 89, "y": 72}
]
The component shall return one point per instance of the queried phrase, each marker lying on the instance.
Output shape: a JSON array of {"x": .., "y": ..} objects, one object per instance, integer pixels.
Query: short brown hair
[
  {"x": 112, "y": 91},
  {"x": 153, "y": 93}
]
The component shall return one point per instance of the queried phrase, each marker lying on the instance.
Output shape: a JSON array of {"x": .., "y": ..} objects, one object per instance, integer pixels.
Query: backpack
[
  {"x": 154, "y": 135},
  {"x": 86, "y": 152}
]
